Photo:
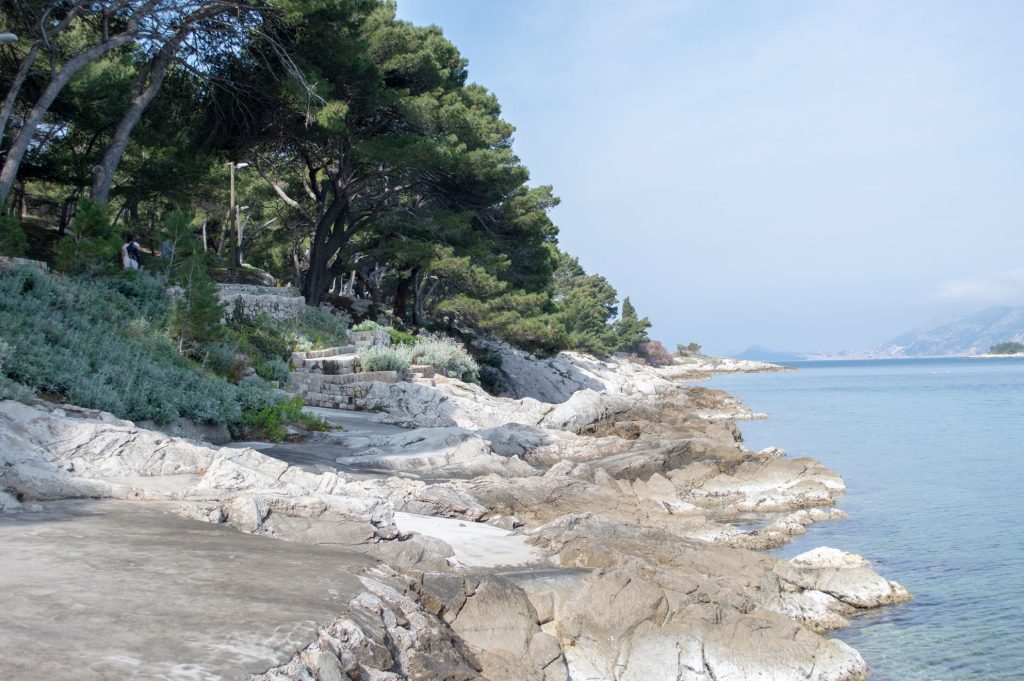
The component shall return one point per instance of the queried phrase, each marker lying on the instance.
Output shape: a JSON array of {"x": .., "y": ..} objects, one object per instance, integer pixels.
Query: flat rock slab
[
  {"x": 120, "y": 589},
  {"x": 474, "y": 544}
]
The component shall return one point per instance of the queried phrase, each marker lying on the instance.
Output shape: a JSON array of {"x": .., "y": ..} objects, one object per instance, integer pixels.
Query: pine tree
[
  {"x": 631, "y": 330},
  {"x": 198, "y": 313}
]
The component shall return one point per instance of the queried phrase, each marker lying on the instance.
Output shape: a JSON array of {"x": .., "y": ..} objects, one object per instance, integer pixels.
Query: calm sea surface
[{"x": 933, "y": 456}]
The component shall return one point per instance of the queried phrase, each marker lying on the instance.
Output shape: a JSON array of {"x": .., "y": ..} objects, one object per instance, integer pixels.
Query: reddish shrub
[{"x": 655, "y": 354}]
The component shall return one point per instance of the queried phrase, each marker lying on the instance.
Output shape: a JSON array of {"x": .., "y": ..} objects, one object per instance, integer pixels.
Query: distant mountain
[
  {"x": 762, "y": 354},
  {"x": 971, "y": 335}
]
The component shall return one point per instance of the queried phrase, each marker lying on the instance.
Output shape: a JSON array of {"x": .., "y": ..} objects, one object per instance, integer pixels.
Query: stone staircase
[{"x": 331, "y": 377}]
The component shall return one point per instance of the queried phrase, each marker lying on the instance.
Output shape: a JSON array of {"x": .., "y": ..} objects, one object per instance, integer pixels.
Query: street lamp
[{"x": 8, "y": 38}]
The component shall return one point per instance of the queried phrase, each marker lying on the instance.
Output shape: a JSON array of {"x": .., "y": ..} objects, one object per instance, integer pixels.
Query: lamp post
[{"x": 233, "y": 213}]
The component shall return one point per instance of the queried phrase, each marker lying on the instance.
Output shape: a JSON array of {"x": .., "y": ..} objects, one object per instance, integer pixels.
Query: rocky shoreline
[{"x": 602, "y": 521}]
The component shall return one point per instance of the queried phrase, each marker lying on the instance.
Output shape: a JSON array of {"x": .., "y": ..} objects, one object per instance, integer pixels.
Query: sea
[{"x": 932, "y": 452}]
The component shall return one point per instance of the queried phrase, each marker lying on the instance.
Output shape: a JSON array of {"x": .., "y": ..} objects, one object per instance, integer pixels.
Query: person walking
[{"x": 131, "y": 253}]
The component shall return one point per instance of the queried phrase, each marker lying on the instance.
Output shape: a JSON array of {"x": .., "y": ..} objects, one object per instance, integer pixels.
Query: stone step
[{"x": 325, "y": 352}]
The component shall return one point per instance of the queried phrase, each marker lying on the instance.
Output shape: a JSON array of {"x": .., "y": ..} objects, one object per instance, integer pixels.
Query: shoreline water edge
[{"x": 603, "y": 520}]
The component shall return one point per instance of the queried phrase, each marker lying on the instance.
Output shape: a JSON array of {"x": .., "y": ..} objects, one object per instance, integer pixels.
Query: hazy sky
[{"x": 801, "y": 175}]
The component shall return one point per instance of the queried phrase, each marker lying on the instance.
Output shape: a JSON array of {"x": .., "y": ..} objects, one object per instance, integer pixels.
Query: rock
[
  {"x": 826, "y": 557},
  {"x": 435, "y": 452},
  {"x": 215, "y": 434},
  {"x": 622, "y": 490},
  {"x": 8, "y": 503},
  {"x": 389, "y": 636}
]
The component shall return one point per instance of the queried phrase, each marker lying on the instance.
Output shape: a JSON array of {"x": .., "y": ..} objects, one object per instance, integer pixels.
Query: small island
[{"x": 1007, "y": 349}]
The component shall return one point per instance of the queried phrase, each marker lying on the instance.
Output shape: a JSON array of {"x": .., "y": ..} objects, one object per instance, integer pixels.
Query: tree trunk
[
  {"x": 402, "y": 295},
  {"x": 297, "y": 265},
  {"x": 26, "y": 64},
  {"x": 416, "y": 296},
  {"x": 317, "y": 278},
  {"x": 15, "y": 88},
  {"x": 142, "y": 95},
  {"x": 71, "y": 68},
  {"x": 65, "y": 212}
]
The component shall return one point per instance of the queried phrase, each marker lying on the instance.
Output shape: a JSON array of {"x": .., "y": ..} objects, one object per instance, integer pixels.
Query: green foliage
[
  {"x": 1007, "y": 348},
  {"x": 384, "y": 358},
  {"x": 400, "y": 337},
  {"x": 224, "y": 359},
  {"x": 266, "y": 424},
  {"x": 260, "y": 337},
  {"x": 198, "y": 312},
  {"x": 586, "y": 304},
  {"x": 273, "y": 369},
  {"x": 92, "y": 246},
  {"x": 12, "y": 237},
  {"x": 270, "y": 423},
  {"x": 255, "y": 395},
  {"x": 437, "y": 216},
  {"x": 368, "y": 325},
  {"x": 691, "y": 349},
  {"x": 631, "y": 331},
  {"x": 10, "y": 390},
  {"x": 269, "y": 343},
  {"x": 318, "y": 328},
  {"x": 85, "y": 341}
]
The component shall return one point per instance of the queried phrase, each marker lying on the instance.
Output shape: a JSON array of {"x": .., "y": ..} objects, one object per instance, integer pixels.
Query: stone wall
[
  {"x": 284, "y": 302},
  {"x": 336, "y": 391},
  {"x": 366, "y": 339},
  {"x": 9, "y": 262}
]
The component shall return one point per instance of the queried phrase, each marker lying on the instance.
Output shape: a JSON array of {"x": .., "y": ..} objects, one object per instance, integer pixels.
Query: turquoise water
[{"x": 933, "y": 456}]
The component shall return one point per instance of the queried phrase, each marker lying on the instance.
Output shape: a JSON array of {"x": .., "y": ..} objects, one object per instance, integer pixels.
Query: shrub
[
  {"x": 274, "y": 370},
  {"x": 254, "y": 394},
  {"x": 198, "y": 314},
  {"x": 323, "y": 328},
  {"x": 400, "y": 337},
  {"x": 367, "y": 325},
  {"x": 271, "y": 422},
  {"x": 224, "y": 360},
  {"x": 92, "y": 246},
  {"x": 84, "y": 340},
  {"x": 318, "y": 328},
  {"x": 691, "y": 349},
  {"x": 292, "y": 410},
  {"x": 12, "y": 237},
  {"x": 447, "y": 355},
  {"x": 261, "y": 338},
  {"x": 10, "y": 390},
  {"x": 493, "y": 380},
  {"x": 384, "y": 359},
  {"x": 655, "y": 354}
]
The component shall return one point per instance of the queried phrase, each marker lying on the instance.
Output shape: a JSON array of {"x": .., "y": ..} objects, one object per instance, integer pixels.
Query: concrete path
[{"x": 127, "y": 590}]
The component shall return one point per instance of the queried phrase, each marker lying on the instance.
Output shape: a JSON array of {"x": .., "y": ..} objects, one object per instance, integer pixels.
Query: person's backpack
[{"x": 135, "y": 253}]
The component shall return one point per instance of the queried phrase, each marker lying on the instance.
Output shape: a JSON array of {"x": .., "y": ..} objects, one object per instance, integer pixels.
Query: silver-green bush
[
  {"x": 384, "y": 358},
  {"x": 9, "y": 390},
  {"x": 447, "y": 355},
  {"x": 81, "y": 340}
]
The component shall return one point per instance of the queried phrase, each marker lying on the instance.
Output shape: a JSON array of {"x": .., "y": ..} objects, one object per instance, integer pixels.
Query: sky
[{"x": 802, "y": 175}]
